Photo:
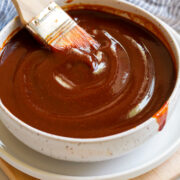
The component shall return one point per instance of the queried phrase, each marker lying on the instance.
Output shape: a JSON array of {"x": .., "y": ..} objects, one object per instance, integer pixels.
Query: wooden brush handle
[{"x": 28, "y": 9}]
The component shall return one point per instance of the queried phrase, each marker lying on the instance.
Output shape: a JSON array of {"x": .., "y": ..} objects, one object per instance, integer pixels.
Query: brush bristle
[
  {"x": 75, "y": 38},
  {"x": 57, "y": 29}
]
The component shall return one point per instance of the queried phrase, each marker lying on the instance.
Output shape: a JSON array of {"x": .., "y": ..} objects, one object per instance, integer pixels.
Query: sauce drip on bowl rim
[{"x": 87, "y": 94}]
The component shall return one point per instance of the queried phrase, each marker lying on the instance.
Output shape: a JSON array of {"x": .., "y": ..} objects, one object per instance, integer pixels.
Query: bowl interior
[{"x": 120, "y": 8}]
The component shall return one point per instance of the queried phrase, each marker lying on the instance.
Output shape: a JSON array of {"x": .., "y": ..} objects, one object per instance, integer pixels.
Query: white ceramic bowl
[{"x": 95, "y": 149}]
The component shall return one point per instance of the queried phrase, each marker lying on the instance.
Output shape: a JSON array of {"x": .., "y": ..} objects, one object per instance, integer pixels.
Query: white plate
[{"x": 142, "y": 159}]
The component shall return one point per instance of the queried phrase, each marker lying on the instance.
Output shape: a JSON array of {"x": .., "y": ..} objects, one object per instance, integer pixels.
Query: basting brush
[{"x": 52, "y": 25}]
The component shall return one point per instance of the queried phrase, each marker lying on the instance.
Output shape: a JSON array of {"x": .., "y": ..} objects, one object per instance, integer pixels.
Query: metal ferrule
[{"x": 51, "y": 21}]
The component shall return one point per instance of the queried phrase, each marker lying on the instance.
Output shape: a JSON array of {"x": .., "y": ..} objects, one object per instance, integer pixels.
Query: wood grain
[
  {"x": 28, "y": 9},
  {"x": 12, "y": 173},
  {"x": 169, "y": 170}
]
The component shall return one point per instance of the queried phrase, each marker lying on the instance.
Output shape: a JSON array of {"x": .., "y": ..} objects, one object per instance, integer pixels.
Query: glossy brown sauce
[{"x": 88, "y": 93}]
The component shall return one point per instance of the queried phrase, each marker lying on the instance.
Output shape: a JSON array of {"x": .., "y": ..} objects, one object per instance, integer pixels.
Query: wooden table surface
[{"x": 169, "y": 170}]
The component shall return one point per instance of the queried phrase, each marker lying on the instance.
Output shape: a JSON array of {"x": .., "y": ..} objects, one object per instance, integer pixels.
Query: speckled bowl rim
[{"x": 114, "y": 136}]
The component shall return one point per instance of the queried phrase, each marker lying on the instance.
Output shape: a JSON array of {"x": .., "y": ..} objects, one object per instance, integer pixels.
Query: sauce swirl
[{"x": 87, "y": 94}]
